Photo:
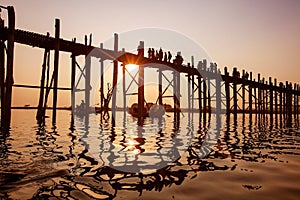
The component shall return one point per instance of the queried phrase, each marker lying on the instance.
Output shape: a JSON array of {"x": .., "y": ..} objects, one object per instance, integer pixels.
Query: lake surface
[{"x": 212, "y": 158}]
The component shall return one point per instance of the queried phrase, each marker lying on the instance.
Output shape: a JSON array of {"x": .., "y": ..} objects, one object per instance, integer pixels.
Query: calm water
[{"x": 247, "y": 159}]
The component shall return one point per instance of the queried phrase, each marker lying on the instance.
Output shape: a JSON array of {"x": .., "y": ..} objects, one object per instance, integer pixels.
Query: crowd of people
[{"x": 164, "y": 56}]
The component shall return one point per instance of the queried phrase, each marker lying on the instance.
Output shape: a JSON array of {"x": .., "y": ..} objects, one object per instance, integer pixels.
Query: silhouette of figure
[
  {"x": 178, "y": 59},
  {"x": 169, "y": 56},
  {"x": 149, "y": 53},
  {"x": 156, "y": 55},
  {"x": 160, "y": 55},
  {"x": 189, "y": 65},
  {"x": 152, "y": 53},
  {"x": 165, "y": 57}
]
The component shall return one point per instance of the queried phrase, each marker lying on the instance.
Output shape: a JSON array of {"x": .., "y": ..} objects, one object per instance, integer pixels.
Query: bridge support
[
  {"x": 55, "y": 72},
  {"x": 6, "y": 107},
  {"x": 141, "y": 86},
  {"x": 115, "y": 79}
]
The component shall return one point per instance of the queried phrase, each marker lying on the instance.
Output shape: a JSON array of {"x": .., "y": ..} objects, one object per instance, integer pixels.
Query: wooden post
[
  {"x": 264, "y": 94},
  {"x": 2, "y": 73},
  {"x": 193, "y": 85},
  {"x": 101, "y": 82},
  {"x": 271, "y": 99},
  {"x": 295, "y": 100},
  {"x": 55, "y": 71},
  {"x": 40, "y": 112},
  {"x": 160, "y": 95},
  {"x": 73, "y": 75},
  {"x": 243, "y": 92},
  {"x": 124, "y": 87},
  {"x": 178, "y": 95},
  {"x": 200, "y": 66},
  {"x": 227, "y": 91},
  {"x": 234, "y": 92},
  {"x": 259, "y": 93},
  {"x": 87, "y": 82},
  {"x": 141, "y": 89},
  {"x": 6, "y": 117},
  {"x": 250, "y": 94},
  {"x": 205, "y": 88},
  {"x": 276, "y": 96},
  {"x": 115, "y": 79},
  {"x": 189, "y": 92},
  {"x": 280, "y": 99},
  {"x": 218, "y": 91}
]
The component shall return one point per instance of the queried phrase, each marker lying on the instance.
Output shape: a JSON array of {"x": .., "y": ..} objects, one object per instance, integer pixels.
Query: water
[{"x": 247, "y": 159}]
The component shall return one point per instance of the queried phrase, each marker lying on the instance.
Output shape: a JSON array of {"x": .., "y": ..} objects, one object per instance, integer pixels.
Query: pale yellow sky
[{"x": 259, "y": 36}]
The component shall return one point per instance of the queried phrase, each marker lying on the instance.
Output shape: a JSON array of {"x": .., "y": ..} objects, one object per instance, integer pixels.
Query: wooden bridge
[{"x": 259, "y": 95}]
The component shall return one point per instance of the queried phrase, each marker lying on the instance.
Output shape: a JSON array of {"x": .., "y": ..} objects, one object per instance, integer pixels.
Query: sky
[{"x": 258, "y": 36}]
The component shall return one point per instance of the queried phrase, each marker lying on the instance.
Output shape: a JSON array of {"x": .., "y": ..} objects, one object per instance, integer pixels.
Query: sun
[{"x": 131, "y": 67}]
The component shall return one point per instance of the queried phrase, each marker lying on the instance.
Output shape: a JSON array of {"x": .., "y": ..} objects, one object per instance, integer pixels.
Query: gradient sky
[{"x": 259, "y": 36}]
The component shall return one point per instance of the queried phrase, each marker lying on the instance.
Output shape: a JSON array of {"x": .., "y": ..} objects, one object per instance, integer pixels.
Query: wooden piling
[
  {"x": 55, "y": 70},
  {"x": 218, "y": 93},
  {"x": 73, "y": 75},
  {"x": 141, "y": 89},
  {"x": 189, "y": 92},
  {"x": 2, "y": 73},
  {"x": 276, "y": 96},
  {"x": 243, "y": 92},
  {"x": 115, "y": 78},
  {"x": 259, "y": 94},
  {"x": 281, "y": 99},
  {"x": 204, "y": 87},
  {"x": 271, "y": 107},
  {"x": 193, "y": 85},
  {"x": 102, "y": 82},
  {"x": 200, "y": 66},
  {"x": 160, "y": 92},
  {"x": 227, "y": 91},
  {"x": 234, "y": 93},
  {"x": 40, "y": 112},
  {"x": 6, "y": 117},
  {"x": 250, "y": 95}
]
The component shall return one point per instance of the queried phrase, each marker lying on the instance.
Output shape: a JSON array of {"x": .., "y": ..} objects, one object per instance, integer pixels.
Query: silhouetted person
[
  {"x": 152, "y": 53},
  {"x": 149, "y": 53},
  {"x": 189, "y": 65},
  {"x": 160, "y": 55},
  {"x": 156, "y": 55},
  {"x": 165, "y": 57},
  {"x": 169, "y": 56},
  {"x": 178, "y": 59}
]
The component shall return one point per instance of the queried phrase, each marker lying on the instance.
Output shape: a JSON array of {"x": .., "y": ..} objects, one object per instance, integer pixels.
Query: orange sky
[{"x": 259, "y": 36}]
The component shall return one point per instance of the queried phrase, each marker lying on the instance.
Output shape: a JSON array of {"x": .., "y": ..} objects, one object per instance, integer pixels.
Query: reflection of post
[
  {"x": 9, "y": 73},
  {"x": 115, "y": 79},
  {"x": 55, "y": 70},
  {"x": 141, "y": 89}
]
